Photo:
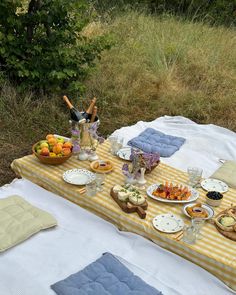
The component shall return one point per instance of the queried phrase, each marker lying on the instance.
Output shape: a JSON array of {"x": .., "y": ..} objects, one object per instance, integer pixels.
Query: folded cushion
[
  {"x": 105, "y": 276},
  {"x": 19, "y": 220},
  {"x": 227, "y": 173},
  {"x": 154, "y": 141}
]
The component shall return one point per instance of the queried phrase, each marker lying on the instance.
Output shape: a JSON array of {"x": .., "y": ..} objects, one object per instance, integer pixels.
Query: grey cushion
[
  {"x": 154, "y": 141},
  {"x": 105, "y": 276}
]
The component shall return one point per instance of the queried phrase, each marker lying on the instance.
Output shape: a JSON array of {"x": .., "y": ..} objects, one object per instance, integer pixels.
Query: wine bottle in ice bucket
[
  {"x": 88, "y": 113},
  {"x": 74, "y": 113}
]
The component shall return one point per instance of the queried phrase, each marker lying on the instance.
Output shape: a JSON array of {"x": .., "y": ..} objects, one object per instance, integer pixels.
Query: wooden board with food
[{"x": 129, "y": 199}]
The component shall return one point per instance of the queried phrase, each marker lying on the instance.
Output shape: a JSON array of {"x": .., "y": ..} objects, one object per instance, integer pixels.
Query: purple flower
[
  {"x": 143, "y": 160},
  {"x": 93, "y": 132},
  {"x": 76, "y": 148},
  {"x": 125, "y": 170}
]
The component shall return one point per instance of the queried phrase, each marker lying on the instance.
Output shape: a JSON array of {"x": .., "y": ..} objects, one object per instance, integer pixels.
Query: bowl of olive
[{"x": 214, "y": 198}]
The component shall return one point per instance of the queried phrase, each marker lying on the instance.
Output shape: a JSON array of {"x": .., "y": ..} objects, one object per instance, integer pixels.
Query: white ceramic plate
[
  {"x": 206, "y": 207},
  {"x": 78, "y": 176},
  {"x": 153, "y": 187},
  {"x": 124, "y": 153},
  {"x": 212, "y": 184},
  {"x": 168, "y": 223}
]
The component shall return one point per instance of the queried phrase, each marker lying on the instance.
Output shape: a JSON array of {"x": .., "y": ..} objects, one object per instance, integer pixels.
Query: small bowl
[
  {"x": 214, "y": 202},
  {"x": 50, "y": 160}
]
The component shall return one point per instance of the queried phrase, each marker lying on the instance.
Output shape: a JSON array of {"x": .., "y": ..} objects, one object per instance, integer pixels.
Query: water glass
[
  {"x": 198, "y": 224},
  {"x": 99, "y": 181},
  {"x": 195, "y": 175},
  {"x": 189, "y": 234},
  {"x": 91, "y": 189},
  {"x": 115, "y": 143}
]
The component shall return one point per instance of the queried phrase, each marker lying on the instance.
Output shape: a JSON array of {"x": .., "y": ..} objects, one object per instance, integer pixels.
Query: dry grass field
[{"x": 157, "y": 66}]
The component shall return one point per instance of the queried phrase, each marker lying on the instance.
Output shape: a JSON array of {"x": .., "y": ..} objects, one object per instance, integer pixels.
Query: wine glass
[{"x": 198, "y": 224}]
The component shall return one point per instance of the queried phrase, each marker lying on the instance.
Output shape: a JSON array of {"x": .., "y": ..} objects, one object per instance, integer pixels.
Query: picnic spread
[
  {"x": 127, "y": 183},
  {"x": 214, "y": 252}
]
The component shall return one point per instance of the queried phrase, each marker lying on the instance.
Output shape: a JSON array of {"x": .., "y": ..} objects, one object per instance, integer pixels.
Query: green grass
[
  {"x": 164, "y": 66},
  {"x": 158, "y": 66}
]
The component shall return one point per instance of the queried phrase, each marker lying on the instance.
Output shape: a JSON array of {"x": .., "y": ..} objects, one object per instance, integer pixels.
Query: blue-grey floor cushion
[
  {"x": 154, "y": 141},
  {"x": 105, "y": 276}
]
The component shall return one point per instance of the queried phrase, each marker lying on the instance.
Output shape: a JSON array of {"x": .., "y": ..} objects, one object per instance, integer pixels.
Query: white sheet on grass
[
  {"x": 80, "y": 238},
  {"x": 204, "y": 145}
]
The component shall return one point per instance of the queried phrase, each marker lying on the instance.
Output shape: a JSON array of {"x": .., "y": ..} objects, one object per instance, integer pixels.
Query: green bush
[{"x": 42, "y": 45}]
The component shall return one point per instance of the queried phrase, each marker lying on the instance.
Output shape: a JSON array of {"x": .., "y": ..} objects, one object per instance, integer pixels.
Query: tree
[{"x": 42, "y": 45}]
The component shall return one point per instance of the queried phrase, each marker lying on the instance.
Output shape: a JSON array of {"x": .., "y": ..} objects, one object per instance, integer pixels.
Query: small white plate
[
  {"x": 212, "y": 184},
  {"x": 78, "y": 176},
  {"x": 168, "y": 223},
  {"x": 124, "y": 153},
  {"x": 153, "y": 187},
  {"x": 206, "y": 207}
]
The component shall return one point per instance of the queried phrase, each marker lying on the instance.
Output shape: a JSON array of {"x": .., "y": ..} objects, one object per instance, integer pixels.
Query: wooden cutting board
[{"x": 128, "y": 207}]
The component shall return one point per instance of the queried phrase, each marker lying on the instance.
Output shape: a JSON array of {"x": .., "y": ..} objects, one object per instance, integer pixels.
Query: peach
[
  {"x": 57, "y": 149},
  {"x": 67, "y": 144},
  {"x": 44, "y": 151},
  {"x": 49, "y": 136},
  {"x": 66, "y": 151},
  {"x": 52, "y": 141}
]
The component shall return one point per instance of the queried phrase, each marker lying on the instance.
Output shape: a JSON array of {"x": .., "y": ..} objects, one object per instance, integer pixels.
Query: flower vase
[
  {"x": 142, "y": 181},
  {"x": 83, "y": 156},
  {"x": 130, "y": 180}
]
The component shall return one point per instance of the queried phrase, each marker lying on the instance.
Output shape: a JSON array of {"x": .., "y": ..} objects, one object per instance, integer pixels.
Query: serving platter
[
  {"x": 168, "y": 223},
  {"x": 124, "y": 153},
  {"x": 193, "y": 197},
  {"x": 78, "y": 176},
  {"x": 212, "y": 184},
  {"x": 209, "y": 210}
]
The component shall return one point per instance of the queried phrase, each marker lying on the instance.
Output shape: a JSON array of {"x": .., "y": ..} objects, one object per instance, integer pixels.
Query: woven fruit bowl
[{"x": 52, "y": 151}]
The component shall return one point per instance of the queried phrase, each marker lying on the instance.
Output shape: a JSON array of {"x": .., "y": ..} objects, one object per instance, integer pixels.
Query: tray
[{"x": 129, "y": 207}]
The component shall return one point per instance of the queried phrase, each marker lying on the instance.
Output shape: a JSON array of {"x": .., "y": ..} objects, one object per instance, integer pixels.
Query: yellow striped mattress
[{"x": 214, "y": 252}]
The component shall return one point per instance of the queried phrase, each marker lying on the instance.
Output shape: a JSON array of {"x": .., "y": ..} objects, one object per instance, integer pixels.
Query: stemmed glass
[{"x": 198, "y": 224}]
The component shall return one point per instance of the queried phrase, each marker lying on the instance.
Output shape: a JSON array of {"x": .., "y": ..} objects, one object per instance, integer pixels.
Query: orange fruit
[
  {"x": 57, "y": 149},
  {"x": 49, "y": 136},
  {"x": 67, "y": 144},
  {"x": 66, "y": 151},
  {"x": 52, "y": 141}
]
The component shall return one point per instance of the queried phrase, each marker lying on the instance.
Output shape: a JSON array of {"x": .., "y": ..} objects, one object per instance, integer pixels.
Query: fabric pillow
[
  {"x": 153, "y": 141},
  {"x": 19, "y": 220},
  {"x": 227, "y": 173},
  {"x": 105, "y": 276}
]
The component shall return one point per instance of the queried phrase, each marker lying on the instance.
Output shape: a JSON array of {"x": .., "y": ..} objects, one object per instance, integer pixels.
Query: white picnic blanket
[
  {"x": 80, "y": 238},
  {"x": 204, "y": 145}
]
